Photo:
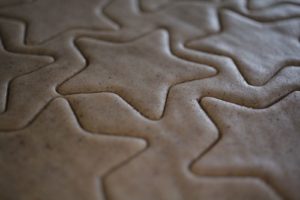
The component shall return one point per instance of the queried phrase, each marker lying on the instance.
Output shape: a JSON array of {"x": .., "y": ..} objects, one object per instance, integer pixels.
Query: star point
[
  {"x": 55, "y": 157},
  {"x": 140, "y": 71},
  {"x": 258, "y": 49},
  {"x": 13, "y": 65},
  {"x": 46, "y": 19},
  {"x": 256, "y": 142}
]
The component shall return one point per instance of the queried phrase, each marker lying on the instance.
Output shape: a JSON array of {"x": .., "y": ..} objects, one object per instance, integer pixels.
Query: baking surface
[{"x": 149, "y": 99}]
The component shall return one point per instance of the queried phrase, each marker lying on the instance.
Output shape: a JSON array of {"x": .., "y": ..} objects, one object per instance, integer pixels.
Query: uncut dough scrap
[{"x": 149, "y": 99}]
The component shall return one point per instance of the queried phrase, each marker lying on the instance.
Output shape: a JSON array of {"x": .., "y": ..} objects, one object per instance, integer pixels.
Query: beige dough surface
[{"x": 149, "y": 99}]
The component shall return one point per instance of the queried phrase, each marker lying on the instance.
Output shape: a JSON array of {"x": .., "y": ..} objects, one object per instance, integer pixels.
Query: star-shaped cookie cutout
[
  {"x": 174, "y": 141},
  {"x": 54, "y": 158},
  {"x": 259, "y": 50},
  {"x": 13, "y": 65},
  {"x": 141, "y": 71},
  {"x": 48, "y": 18},
  {"x": 184, "y": 20},
  {"x": 256, "y": 142}
]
